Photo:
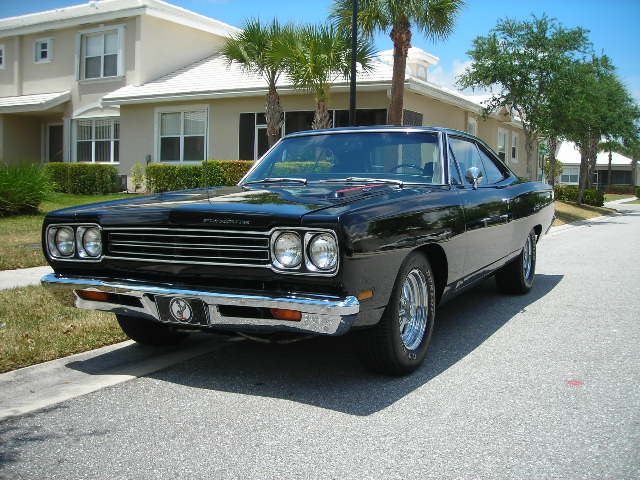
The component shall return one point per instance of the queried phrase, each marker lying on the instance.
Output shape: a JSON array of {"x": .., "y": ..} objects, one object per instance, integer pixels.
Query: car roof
[{"x": 378, "y": 128}]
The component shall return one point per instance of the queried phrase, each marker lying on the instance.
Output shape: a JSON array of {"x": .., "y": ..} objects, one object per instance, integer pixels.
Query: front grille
[{"x": 189, "y": 246}]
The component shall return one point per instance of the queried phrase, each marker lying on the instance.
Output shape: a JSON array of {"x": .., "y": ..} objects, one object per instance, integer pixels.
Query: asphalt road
[{"x": 540, "y": 386}]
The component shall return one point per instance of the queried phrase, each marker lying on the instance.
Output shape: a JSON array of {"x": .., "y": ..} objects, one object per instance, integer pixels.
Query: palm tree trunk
[
  {"x": 401, "y": 36},
  {"x": 321, "y": 118},
  {"x": 273, "y": 114},
  {"x": 609, "y": 172}
]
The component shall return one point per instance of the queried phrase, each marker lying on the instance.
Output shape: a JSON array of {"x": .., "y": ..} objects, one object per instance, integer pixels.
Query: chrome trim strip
[
  {"x": 189, "y": 246},
  {"x": 219, "y": 264},
  {"x": 321, "y": 314}
]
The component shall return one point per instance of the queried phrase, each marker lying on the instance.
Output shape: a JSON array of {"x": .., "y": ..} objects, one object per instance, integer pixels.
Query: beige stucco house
[
  {"x": 56, "y": 67},
  {"x": 126, "y": 81}
]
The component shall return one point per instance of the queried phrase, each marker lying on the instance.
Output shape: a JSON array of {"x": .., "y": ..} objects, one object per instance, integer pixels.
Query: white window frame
[
  {"x": 472, "y": 123},
  {"x": 93, "y": 140},
  {"x": 3, "y": 56},
  {"x": 37, "y": 50},
  {"x": 180, "y": 109},
  {"x": 515, "y": 143},
  {"x": 505, "y": 133},
  {"x": 570, "y": 172},
  {"x": 81, "y": 35}
]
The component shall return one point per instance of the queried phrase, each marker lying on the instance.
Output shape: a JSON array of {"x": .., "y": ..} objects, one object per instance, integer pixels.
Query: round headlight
[
  {"x": 287, "y": 249},
  {"x": 323, "y": 251},
  {"x": 65, "y": 241},
  {"x": 92, "y": 242}
]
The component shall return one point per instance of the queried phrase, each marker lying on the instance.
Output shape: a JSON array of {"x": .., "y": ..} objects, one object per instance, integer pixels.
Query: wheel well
[{"x": 439, "y": 265}]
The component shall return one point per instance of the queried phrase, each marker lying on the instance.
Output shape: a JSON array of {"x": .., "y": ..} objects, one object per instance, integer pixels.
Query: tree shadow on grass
[{"x": 325, "y": 372}]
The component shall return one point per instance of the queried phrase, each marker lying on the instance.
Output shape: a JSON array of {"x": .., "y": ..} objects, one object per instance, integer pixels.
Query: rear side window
[
  {"x": 493, "y": 171},
  {"x": 467, "y": 156}
]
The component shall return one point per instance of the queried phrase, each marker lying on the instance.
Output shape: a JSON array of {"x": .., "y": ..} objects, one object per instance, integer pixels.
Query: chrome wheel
[
  {"x": 527, "y": 257},
  {"x": 413, "y": 313}
]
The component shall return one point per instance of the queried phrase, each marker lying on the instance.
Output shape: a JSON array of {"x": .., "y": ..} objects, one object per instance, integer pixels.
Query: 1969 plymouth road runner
[{"x": 354, "y": 229}]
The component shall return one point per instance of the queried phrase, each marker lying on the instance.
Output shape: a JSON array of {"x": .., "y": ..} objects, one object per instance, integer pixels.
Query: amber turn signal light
[
  {"x": 93, "y": 295},
  {"x": 284, "y": 314},
  {"x": 365, "y": 295}
]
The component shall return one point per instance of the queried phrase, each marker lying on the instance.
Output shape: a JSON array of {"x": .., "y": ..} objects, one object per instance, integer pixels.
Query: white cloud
[{"x": 447, "y": 77}]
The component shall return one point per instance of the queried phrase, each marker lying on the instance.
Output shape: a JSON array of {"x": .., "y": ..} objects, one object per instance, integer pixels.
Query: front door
[
  {"x": 54, "y": 143},
  {"x": 486, "y": 208}
]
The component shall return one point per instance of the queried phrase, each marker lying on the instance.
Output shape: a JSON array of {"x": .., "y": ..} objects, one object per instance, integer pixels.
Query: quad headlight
[
  {"x": 304, "y": 251},
  {"x": 287, "y": 250},
  {"x": 74, "y": 242},
  {"x": 323, "y": 251}
]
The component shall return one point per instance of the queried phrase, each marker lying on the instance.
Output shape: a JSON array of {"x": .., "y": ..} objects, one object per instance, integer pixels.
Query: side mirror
[{"x": 474, "y": 175}]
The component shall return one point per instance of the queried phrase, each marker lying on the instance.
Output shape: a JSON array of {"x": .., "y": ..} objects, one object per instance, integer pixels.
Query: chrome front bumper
[{"x": 321, "y": 314}]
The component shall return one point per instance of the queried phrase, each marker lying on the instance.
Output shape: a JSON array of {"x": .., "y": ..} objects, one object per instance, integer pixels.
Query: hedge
[
  {"x": 162, "y": 177},
  {"x": 83, "y": 178},
  {"x": 22, "y": 188},
  {"x": 638, "y": 192},
  {"x": 624, "y": 189},
  {"x": 569, "y": 193}
]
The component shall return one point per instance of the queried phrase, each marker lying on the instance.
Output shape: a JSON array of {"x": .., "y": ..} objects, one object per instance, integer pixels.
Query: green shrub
[
  {"x": 638, "y": 192},
  {"x": 137, "y": 176},
  {"x": 83, "y": 178},
  {"x": 162, "y": 177},
  {"x": 569, "y": 193},
  {"x": 296, "y": 168},
  {"x": 22, "y": 188},
  {"x": 224, "y": 172}
]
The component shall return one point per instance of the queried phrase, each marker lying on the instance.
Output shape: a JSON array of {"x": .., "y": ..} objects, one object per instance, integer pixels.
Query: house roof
[
  {"x": 214, "y": 77},
  {"x": 106, "y": 10},
  {"x": 33, "y": 103},
  {"x": 569, "y": 155}
]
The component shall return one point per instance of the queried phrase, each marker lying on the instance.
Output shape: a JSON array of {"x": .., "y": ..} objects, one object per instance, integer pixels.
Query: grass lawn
[
  {"x": 48, "y": 330},
  {"x": 20, "y": 235},
  {"x": 571, "y": 212},
  {"x": 608, "y": 197}
]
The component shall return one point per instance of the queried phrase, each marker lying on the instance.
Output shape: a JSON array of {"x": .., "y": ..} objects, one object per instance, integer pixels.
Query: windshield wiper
[
  {"x": 278, "y": 180},
  {"x": 391, "y": 181}
]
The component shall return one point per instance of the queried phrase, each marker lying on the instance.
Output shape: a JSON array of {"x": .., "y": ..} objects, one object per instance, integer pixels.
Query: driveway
[{"x": 539, "y": 386}]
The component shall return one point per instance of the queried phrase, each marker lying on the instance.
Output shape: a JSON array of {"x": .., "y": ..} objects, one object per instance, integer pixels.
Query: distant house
[
  {"x": 126, "y": 81},
  {"x": 621, "y": 167}
]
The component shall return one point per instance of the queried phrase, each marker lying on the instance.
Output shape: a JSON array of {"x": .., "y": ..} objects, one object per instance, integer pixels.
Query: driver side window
[{"x": 467, "y": 156}]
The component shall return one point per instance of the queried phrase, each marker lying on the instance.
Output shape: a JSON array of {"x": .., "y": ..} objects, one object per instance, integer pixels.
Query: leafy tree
[
  {"x": 317, "y": 55},
  {"x": 599, "y": 107},
  {"x": 434, "y": 18},
  {"x": 523, "y": 61},
  {"x": 253, "y": 49}
]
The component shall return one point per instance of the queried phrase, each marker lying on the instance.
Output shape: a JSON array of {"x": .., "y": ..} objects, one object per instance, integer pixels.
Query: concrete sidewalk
[{"x": 22, "y": 277}]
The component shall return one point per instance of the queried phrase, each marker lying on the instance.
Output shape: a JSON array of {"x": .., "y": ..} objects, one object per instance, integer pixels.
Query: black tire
[
  {"x": 382, "y": 348},
  {"x": 150, "y": 333},
  {"x": 514, "y": 277}
]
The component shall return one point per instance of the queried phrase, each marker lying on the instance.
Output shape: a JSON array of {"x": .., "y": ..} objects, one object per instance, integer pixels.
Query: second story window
[
  {"x": 43, "y": 50},
  {"x": 1, "y": 56},
  {"x": 100, "y": 54}
]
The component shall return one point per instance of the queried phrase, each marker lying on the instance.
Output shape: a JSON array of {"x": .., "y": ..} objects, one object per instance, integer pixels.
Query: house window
[
  {"x": 97, "y": 140},
  {"x": 182, "y": 135},
  {"x": 410, "y": 118},
  {"x": 472, "y": 126},
  {"x": 570, "y": 175},
  {"x": 514, "y": 147},
  {"x": 502, "y": 144},
  {"x": 100, "y": 54},
  {"x": 43, "y": 50},
  {"x": 1, "y": 56}
]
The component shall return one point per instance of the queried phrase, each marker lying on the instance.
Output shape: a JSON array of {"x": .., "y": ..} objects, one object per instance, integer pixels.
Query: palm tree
[
  {"x": 315, "y": 57},
  {"x": 610, "y": 146},
  {"x": 435, "y": 18},
  {"x": 252, "y": 48}
]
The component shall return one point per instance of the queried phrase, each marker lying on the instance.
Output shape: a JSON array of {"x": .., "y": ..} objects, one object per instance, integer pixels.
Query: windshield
[{"x": 409, "y": 157}]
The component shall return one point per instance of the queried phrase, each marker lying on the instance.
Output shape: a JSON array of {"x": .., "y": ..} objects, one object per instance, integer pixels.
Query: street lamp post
[{"x": 354, "y": 49}]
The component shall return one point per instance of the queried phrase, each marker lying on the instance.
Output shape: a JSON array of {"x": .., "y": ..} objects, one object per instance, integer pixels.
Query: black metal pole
[{"x": 354, "y": 49}]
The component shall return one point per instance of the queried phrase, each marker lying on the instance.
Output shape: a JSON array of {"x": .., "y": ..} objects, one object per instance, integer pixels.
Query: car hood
[{"x": 255, "y": 206}]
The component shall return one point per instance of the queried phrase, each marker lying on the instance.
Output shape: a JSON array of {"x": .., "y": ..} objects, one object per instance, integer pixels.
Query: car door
[{"x": 486, "y": 208}]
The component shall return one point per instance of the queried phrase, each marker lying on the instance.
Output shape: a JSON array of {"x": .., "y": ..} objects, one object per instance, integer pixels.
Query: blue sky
[{"x": 613, "y": 25}]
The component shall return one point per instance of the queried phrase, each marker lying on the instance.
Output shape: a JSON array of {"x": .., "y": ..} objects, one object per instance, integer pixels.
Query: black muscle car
[{"x": 354, "y": 229}]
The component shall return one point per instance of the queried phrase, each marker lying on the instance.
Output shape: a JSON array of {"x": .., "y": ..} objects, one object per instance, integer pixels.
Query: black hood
[{"x": 255, "y": 206}]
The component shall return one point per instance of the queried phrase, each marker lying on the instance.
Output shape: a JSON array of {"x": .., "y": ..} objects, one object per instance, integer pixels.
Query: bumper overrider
[{"x": 319, "y": 314}]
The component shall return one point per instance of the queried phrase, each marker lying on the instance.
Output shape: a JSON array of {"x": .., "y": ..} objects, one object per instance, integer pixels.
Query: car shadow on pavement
[{"x": 325, "y": 372}]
